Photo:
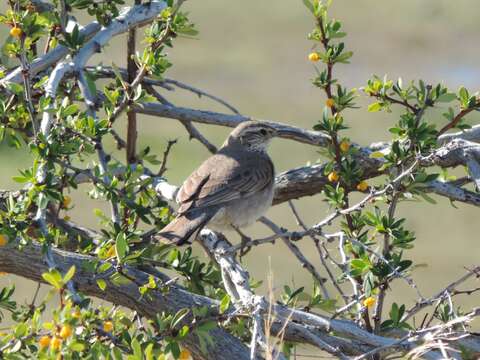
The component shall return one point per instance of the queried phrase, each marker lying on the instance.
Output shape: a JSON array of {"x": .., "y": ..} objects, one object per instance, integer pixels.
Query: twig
[
  {"x": 192, "y": 130},
  {"x": 298, "y": 254},
  {"x": 321, "y": 253},
  {"x": 427, "y": 302},
  {"x": 201, "y": 93},
  {"x": 379, "y": 349},
  {"x": 131, "y": 151},
  {"x": 27, "y": 86},
  {"x": 121, "y": 144},
  {"x": 163, "y": 166}
]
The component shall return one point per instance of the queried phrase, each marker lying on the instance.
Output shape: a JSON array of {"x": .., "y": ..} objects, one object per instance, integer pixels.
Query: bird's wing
[{"x": 223, "y": 178}]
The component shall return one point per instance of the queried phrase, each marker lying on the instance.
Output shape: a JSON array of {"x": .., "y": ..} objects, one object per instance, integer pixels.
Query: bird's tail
[{"x": 184, "y": 227}]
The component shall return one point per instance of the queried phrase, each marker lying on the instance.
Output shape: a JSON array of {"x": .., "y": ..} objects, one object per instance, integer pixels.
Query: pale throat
[{"x": 259, "y": 147}]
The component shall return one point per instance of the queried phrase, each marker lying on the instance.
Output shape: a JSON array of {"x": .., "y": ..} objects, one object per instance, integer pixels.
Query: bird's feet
[{"x": 245, "y": 243}]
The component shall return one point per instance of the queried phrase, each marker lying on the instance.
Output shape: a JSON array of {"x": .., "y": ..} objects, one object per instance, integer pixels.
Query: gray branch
[
  {"x": 230, "y": 120},
  {"x": 28, "y": 263}
]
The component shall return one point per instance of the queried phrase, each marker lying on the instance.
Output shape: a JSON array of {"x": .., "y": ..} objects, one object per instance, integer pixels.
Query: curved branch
[
  {"x": 29, "y": 263},
  {"x": 230, "y": 120}
]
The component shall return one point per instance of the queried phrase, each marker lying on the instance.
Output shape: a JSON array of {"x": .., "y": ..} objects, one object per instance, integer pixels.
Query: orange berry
[
  {"x": 362, "y": 186},
  {"x": 67, "y": 200},
  {"x": 344, "y": 146},
  {"x": 2, "y": 273},
  {"x": 330, "y": 102},
  {"x": 56, "y": 343},
  {"x": 108, "y": 326},
  {"x": 66, "y": 331},
  {"x": 185, "y": 355},
  {"x": 16, "y": 32},
  {"x": 44, "y": 341},
  {"x": 369, "y": 301},
  {"x": 313, "y": 57},
  {"x": 77, "y": 314},
  {"x": 111, "y": 252},
  {"x": 333, "y": 176},
  {"x": 3, "y": 240}
]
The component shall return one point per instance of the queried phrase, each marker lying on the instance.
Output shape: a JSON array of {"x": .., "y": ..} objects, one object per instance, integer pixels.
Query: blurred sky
[{"x": 254, "y": 54}]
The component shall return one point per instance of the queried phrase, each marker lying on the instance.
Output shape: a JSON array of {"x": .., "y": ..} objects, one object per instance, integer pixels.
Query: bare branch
[{"x": 209, "y": 117}]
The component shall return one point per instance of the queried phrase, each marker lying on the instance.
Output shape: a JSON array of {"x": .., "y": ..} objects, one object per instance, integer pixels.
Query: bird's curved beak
[{"x": 292, "y": 133}]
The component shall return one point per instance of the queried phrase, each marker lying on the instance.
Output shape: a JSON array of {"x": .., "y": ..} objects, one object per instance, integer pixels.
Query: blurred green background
[{"x": 254, "y": 55}]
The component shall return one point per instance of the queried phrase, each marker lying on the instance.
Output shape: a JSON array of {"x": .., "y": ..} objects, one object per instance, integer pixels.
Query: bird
[{"x": 229, "y": 190}]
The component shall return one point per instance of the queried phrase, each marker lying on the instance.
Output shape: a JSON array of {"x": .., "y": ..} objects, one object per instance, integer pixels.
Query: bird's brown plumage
[{"x": 237, "y": 173}]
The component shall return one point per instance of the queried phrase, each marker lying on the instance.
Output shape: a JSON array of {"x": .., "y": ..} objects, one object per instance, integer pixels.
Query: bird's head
[{"x": 253, "y": 135}]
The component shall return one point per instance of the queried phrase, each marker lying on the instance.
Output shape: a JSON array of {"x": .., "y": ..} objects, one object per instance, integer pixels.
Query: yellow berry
[
  {"x": 44, "y": 341},
  {"x": 66, "y": 218},
  {"x": 66, "y": 331},
  {"x": 333, "y": 176},
  {"x": 369, "y": 301},
  {"x": 185, "y": 355},
  {"x": 77, "y": 314},
  {"x": 16, "y": 32},
  {"x": 313, "y": 57},
  {"x": 111, "y": 252},
  {"x": 2, "y": 273},
  {"x": 56, "y": 343},
  {"x": 330, "y": 102},
  {"x": 67, "y": 200},
  {"x": 362, "y": 186},
  {"x": 3, "y": 240},
  {"x": 344, "y": 146},
  {"x": 108, "y": 326}
]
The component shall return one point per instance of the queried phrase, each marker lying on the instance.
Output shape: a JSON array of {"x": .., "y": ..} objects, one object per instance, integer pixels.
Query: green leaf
[
  {"x": 428, "y": 198},
  {"x": 344, "y": 57},
  {"x": 77, "y": 346},
  {"x": 121, "y": 246},
  {"x": 102, "y": 284},
  {"x": 15, "y": 88},
  {"x": 69, "y": 275},
  {"x": 20, "y": 179},
  {"x": 447, "y": 97},
  {"x": 207, "y": 326},
  {"x": 42, "y": 201},
  {"x": 224, "y": 304},
  {"x": 184, "y": 331},
  {"x": 54, "y": 278},
  {"x": 173, "y": 348},
  {"x": 21, "y": 330},
  {"x": 376, "y": 106},
  {"x": 463, "y": 94},
  {"x": 377, "y": 155},
  {"x": 309, "y": 6},
  {"x": 359, "y": 264},
  {"x": 149, "y": 352},
  {"x": 327, "y": 305},
  {"x": 137, "y": 349},
  {"x": 104, "y": 267}
]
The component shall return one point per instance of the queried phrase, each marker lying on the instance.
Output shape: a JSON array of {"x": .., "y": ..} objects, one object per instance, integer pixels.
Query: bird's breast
[{"x": 243, "y": 212}]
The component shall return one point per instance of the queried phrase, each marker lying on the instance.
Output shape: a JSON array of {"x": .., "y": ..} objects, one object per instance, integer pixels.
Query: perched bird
[{"x": 231, "y": 189}]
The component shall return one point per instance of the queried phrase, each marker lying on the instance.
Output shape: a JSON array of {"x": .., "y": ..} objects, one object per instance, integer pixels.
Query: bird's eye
[{"x": 263, "y": 132}]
